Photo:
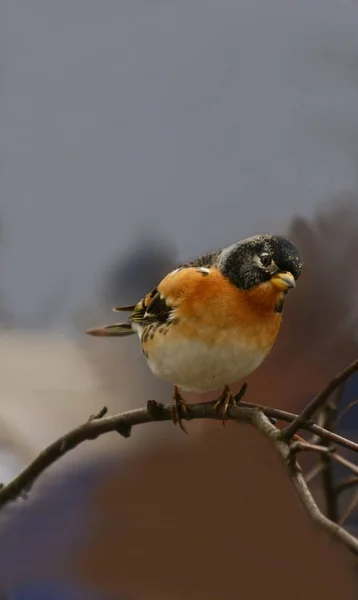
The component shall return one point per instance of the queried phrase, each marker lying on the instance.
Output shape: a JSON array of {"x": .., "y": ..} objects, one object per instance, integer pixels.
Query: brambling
[{"x": 212, "y": 321}]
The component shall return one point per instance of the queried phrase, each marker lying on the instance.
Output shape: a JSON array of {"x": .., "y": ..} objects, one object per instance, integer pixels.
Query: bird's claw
[
  {"x": 226, "y": 400},
  {"x": 180, "y": 409}
]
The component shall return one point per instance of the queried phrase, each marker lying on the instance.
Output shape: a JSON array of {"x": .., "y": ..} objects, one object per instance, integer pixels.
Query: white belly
[{"x": 195, "y": 366}]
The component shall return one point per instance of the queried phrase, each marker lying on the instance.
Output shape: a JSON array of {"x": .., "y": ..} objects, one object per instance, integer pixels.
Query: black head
[{"x": 261, "y": 258}]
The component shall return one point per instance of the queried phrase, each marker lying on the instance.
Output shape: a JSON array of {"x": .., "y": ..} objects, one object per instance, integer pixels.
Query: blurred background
[{"x": 135, "y": 135}]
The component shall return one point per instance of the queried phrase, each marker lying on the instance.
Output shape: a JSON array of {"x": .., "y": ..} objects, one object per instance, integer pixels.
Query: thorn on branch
[
  {"x": 155, "y": 409},
  {"x": 124, "y": 429},
  {"x": 239, "y": 396},
  {"x": 99, "y": 415}
]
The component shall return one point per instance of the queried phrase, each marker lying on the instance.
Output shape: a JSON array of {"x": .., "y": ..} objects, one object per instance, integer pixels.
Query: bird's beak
[{"x": 283, "y": 281}]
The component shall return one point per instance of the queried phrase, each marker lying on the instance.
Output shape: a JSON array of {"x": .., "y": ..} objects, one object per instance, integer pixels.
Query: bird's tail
[{"x": 116, "y": 330}]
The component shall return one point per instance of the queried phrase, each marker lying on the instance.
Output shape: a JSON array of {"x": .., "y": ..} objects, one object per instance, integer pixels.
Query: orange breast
[{"x": 211, "y": 307}]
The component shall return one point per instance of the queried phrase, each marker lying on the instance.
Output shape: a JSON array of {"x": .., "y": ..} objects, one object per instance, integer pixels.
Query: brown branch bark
[
  {"x": 325, "y": 451},
  {"x": 98, "y": 425},
  {"x": 263, "y": 424},
  {"x": 255, "y": 415},
  {"x": 346, "y": 484},
  {"x": 346, "y": 463},
  {"x": 330, "y": 412},
  {"x": 321, "y": 432}
]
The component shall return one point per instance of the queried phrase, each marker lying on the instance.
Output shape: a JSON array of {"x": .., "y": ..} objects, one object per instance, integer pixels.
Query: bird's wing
[{"x": 160, "y": 304}]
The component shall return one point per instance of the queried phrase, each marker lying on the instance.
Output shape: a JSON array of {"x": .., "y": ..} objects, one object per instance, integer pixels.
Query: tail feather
[
  {"x": 128, "y": 308},
  {"x": 116, "y": 330}
]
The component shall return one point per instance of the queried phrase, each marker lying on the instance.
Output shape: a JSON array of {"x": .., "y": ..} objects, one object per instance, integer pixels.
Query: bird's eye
[{"x": 265, "y": 259}]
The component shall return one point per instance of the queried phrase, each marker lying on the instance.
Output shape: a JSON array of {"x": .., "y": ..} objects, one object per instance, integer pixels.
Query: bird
[{"x": 212, "y": 321}]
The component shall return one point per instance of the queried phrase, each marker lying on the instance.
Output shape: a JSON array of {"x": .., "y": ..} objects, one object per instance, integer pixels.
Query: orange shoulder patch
[{"x": 181, "y": 284}]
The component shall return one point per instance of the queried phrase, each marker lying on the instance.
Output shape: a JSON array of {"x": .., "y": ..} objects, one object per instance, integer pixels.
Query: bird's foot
[
  {"x": 180, "y": 409},
  {"x": 226, "y": 400}
]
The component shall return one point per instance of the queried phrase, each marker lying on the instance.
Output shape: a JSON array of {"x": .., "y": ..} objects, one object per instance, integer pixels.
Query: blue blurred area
[
  {"x": 46, "y": 531},
  {"x": 54, "y": 590},
  {"x": 349, "y": 421},
  {"x": 348, "y": 427}
]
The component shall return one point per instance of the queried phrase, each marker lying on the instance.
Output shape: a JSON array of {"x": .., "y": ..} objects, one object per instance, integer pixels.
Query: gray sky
[{"x": 202, "y": 121}]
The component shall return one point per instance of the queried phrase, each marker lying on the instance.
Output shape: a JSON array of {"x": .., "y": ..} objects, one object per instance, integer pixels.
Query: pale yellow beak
[{"x": 283, "y": 281}]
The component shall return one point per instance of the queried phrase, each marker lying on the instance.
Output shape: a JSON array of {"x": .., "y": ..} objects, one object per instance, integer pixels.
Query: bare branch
[
  {"x": 306, "y": 446},
  {"x": 344, "y": 412},
  {"x": 311, "y": 507},
  {"x": 262, "y": 423},
  {"x": 346, "y": 463},
  {"x": 324, "y": 434},
  {"x": 318, "y": 401},
  {"x": 122, "y": 423},
  {"x": 101, "y": 413},
  {"x": 313, "y": 473},
  {"x": 99, "y": 425},
  {"x": 325, "y": 450},
  {"x": 287, "y": 443},
  {"x": 330, "y": 411},
  {"x": 346, "y": 484},
  {"x": 350, "y": 508}
]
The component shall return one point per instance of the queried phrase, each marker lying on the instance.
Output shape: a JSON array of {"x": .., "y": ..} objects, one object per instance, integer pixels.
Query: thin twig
[
  {"x": 346, "y": 463},
  {"x": 101, "y": 413},
  {"x": 330, "y": 411},
  {"x": 158, "y": 412},
  {"x": 351, "y": 506},
  {"x": 122, "y": 423},
  {"x": 95, "y": 427},
  {"x": 324, "y": 450},
  {"x": 344, "y": 412},
  {"x": 261, "y": 417},
  {"x": 311, "y": 507},
  {"x": 313, "y": 473},
  {"x": 307, "y": 446},
  {"x": 263, "y": 424},
  {"x": 318, "y": 401},
  {"x": 346, "y": 484},
  {"x": 324, "y": 434}
]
